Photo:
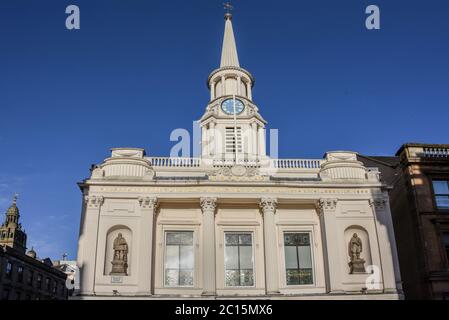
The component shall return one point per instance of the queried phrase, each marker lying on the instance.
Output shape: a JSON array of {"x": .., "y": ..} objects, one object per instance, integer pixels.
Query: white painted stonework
[{"x": 226, "y": 195}]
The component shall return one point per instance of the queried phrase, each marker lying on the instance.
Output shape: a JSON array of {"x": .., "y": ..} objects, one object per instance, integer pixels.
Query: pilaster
[
  {"x": 148, "y": 207},
  {"x": 387, "y": 243},
  {"x": 268, "y": 207},
  {"x": 208, "y": 207},
  {"x": 326, "y": 209},
  {"x": 88, "y": 243}
]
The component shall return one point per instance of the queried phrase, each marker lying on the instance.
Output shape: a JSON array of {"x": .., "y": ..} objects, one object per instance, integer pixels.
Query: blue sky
[{"x": 137, "y": 70}]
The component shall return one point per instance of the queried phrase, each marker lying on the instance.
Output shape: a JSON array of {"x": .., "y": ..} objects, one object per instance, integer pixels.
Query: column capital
[
  {"x": 268, "y": 205},
  {"x": 148, "y": 202},
  {"x": 378, "y": 203},
  {"x": 94, "y": 201},
  {"x": 326, "y": 205},
  {"x": 208, "y": 204}
]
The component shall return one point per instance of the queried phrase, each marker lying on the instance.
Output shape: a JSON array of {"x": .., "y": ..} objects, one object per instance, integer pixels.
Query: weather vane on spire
[{"x": 228, "y": 7}]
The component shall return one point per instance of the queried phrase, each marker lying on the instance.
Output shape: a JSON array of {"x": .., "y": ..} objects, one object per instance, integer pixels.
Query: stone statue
[
  {"x": 120, "y": 260},
  {"x": 355, "y": 248}
]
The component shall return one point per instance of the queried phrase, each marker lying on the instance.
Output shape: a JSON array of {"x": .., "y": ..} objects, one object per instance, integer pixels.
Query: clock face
[{"x": 228, "y": 106}]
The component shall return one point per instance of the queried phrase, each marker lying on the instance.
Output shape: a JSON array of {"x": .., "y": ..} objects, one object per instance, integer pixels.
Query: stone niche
[
  {"x": 109, "y": 255},
  {"x": 365, "y": 254},
  {"x": 343, "y": 166}
]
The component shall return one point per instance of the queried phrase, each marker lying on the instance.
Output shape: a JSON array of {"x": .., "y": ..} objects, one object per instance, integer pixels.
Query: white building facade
[{"x": 235, "y": 222}]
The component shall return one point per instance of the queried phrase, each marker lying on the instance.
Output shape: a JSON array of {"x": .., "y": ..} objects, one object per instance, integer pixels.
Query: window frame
[
  {"x": 9, "y": 271},
  {"x": 283, "y": 232},
  {"x": 316, "y": 259},
  {"x": 434, "y": 194},
  {"x": 20, "y": 273},
  {"x": 164, "y": 255},
  {"x": 39, "y": 279},
  {"x": 253, "y": 254}
]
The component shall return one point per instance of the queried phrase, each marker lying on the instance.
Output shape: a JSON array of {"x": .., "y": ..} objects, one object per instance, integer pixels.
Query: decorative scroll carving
[
  {"x": 355, "y": 248},
  {"x": 268, "y": 205},
  {"x": 237, "y": 173},
  {"x": 120, "y": 261},
  {"x": 97, "y": 173},
  {"x": 208, "y": 204},
  {"x": 94, "y": 201},
  {"x": 327, "y": 205},
  {"x": 378, "y": 203},
  {"x": 148, "y": 202}
]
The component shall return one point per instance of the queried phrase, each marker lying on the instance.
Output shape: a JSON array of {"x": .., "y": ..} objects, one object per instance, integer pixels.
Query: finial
[
  {"x": 228, "y": 7},
  {"x": 14, "y": 200}
]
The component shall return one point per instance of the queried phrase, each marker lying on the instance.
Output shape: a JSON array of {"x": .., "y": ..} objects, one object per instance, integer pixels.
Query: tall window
[
  {"x": 298, "y": 258},
  {"x": 231, "y": 138},
  {"x": 446, "y": 243},
  {"x": 239, "y": 265},
  {"x": 441, "y": 190},
  {"x": 47, "y": 284},
  {"x": 39, "y": 281},
  {"x": 179, "y": 259},
  {"x": 19, "y": 274},
  {"x": 8, "y": 271},
  {"x": 30, "y": 278}
]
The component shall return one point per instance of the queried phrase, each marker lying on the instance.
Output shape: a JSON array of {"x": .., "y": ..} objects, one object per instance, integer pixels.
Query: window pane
[
  {"x": 292, "y": 277},
  {"x": 171, "y": 277},
  {"x": 305, "y": 276},
  {"x": 442, "y": 202},
  {"x": 180, "y": 238},
  {"x": 291, "y": 261},
  {"x": 232, "y": 278},
  {"x": 186, "y": 278},
  {"x": 246, "y": 278},
  {"x": 246, "y": 257},
  {"x": 231, "y": 257},
  {"x": 446, "y": 239},
  {"x": 172, "y": 257},
  {"x": 305, "y": 257},
  {"x": 232, "y": 239},
  {"x": 440, "y": 187},
  {"x": 446, "y": 244},
  {"x": 187, "y": 257},
  {"x": 246, "y": 239}
]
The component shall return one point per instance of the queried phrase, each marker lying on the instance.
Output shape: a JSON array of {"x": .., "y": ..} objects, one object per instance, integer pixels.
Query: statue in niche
[
  {"x": 355, "y": 248},
  {"x": 120, "y": 260}
]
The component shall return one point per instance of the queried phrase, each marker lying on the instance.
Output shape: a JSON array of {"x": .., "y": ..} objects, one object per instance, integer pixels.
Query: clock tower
[{"x": 232, "y": 128}]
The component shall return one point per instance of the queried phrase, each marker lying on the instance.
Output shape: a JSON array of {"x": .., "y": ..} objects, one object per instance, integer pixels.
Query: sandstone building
[{"x": 235, "y": 222}]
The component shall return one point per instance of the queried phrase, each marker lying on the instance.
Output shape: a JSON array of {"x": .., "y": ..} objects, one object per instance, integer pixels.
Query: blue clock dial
[{"x": 228, "y": 106}]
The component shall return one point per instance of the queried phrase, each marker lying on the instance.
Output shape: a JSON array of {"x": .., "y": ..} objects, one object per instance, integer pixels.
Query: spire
[{"x": 229, "y": 57}]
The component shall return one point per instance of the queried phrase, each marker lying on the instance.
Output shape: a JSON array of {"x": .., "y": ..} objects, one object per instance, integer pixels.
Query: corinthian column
[
  {"x": 268, "y": 207},
  {"x": 88, "y": 242},
  {"x": 208, "y": 206},
  {"x": 148, "y": 206}
]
